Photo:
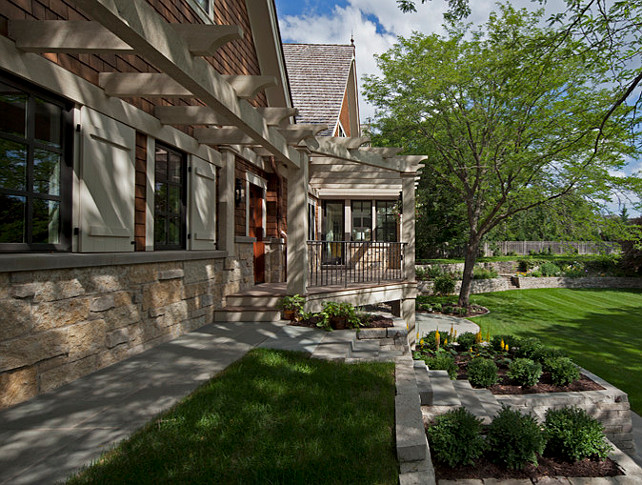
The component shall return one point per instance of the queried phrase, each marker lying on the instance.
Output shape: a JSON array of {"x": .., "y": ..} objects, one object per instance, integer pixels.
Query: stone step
[
  {"x": 424, "y": 387},
  {"x": 488, "y": 401},
  {"x": 332, "y": 351},
  {"x": 253, "y": 301},
  {"x": 469, "y": 400},
  {"x": 360, "y": 347},
  {"x": 247, "y": 314},
  {"x": 443, "y": 391}
]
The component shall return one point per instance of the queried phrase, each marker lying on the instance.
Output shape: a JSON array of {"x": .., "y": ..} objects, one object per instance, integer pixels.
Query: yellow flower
[{"x": 446, "y": 341}]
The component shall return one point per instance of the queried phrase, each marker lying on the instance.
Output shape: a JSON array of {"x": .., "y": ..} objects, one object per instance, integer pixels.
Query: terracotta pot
[{"x": 288, "y": 315}]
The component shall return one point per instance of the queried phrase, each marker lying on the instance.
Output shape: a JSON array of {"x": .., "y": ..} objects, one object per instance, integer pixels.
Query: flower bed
[{"x": 526, "y": 375}]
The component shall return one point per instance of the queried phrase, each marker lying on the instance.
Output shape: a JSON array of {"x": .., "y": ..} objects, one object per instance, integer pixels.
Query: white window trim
[{"x": 207, "y": 17}]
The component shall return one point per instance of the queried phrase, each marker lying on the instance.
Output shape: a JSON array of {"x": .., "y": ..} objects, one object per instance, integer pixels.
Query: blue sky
[{"x": 375, "y": 25}]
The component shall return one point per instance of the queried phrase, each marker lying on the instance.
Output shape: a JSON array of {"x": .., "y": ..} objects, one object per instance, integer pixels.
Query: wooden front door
[{"x": 258, "y": 231}]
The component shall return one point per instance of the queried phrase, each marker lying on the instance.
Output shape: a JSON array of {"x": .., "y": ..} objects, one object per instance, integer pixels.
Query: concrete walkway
[
  {"x": 44, "y": 440},
  {"x": 427, "y": 322}
]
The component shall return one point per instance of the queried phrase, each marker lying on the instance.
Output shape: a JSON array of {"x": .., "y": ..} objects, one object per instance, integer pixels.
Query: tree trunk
[{"x": 472, "y": 249}]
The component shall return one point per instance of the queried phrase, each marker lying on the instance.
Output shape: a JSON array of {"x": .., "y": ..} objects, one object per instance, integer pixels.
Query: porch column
[
  {"x": 298, "y": 227},
  {"x": 408, "y": 236},
  {"x": 226, "y": 203}
]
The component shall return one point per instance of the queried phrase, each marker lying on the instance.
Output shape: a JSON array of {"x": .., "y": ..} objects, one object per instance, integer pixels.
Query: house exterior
[{"x": 150, "y": 167}]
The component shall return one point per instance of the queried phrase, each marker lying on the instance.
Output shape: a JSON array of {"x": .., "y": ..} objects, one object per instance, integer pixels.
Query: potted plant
[{"x": 291, "y": 307}]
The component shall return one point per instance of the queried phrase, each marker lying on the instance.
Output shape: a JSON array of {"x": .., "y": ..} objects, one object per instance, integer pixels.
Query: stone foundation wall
[
  {"x": 610, "y": 407},
  {"x": 58, "y": 325},
  {"x": 502, "y": 267}
]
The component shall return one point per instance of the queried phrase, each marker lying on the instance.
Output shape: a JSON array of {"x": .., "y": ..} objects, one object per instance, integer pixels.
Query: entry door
[{"x": 257, "y": 230}]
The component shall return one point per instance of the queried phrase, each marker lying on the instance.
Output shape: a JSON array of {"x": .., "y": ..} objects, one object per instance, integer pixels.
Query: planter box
[{"x": 610, "y": 407}]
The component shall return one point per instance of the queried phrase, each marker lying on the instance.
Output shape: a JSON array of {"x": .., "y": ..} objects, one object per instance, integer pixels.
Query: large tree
[{"x": 511, "y": 117}]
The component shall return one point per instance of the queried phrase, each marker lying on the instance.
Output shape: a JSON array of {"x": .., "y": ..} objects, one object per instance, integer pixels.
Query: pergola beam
[
  {"x": 295, "y": 133},
  {"x": 69, "y": 36},
  {"x": 247, "y": 87},
  {"x": 143, "y": 84},
  {"x": 275, "y": 116},
  {"x": 189, "y": 115},
  {"x": 222, "y": 136},
  {"x": 206, "y": 39},
  {"x": 139, "y": 26}
]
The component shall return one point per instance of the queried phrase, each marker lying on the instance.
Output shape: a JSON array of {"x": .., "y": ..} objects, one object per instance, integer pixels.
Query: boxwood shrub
[
  {"x": 455, "y": 438},
  {"x": 563, "y": 370},
  {"x": 514, "y": 439},
  {"x": 442, "y": 361},
  {"x": 573, "y": 435},
  {"x": 482, "y": 372},
  {"x": 525, "y": 372}
]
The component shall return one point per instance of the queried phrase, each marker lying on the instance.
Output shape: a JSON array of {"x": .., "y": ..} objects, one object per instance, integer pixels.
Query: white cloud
[{"x": 335, "y": 26}]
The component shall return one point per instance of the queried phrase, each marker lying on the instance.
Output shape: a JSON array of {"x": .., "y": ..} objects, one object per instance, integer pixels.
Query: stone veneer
[{"x": 58, "y": 325}]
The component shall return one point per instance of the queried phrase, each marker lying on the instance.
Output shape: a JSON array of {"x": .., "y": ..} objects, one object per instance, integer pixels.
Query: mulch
[
  {"x": 547, "y": 467},
  {"x": 506, "y": 385}
]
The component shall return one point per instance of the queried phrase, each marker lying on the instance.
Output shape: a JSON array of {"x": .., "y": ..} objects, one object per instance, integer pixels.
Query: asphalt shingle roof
[{"x": 318, "y": 75}]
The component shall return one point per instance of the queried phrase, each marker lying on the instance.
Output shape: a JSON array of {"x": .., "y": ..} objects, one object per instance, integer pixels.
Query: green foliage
[
  {"x": 455, "y": 438},
  {"x": 334, "y": 313},
  {"x": 550, "y": 269},
  {"x": 442, "y": 361},
  {"x": 524, "y": 138},
  {"x": 525, "y": 372},
  {"x": 444, "y": 285},
  {"x": 573, "y": 435},
  {"x": 466, "y": 340},
  {"x": 484, "y": 274},
  {"x": 543, "y": 354},
  {"x": 515, "y": 439},
  {"x": 428, "y": 341},
  {"x": 482, "y": 372},
  {"x": 563, "y": 370},
  {"x": 510, "y": 340},
  {"x": 528, "y": 346}
]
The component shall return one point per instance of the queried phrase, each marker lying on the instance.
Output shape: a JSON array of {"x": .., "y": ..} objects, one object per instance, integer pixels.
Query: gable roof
[{"x": 318, "y": 75}]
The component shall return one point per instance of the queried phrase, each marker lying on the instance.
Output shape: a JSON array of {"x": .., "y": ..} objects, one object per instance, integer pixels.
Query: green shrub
[
  {"x": 544, "y": 353},
  {"x": 484, "y": 274},
  {"x": 573, "y": 435},
  {"x": 447, "y": 309},
  {"x": 525, "y": 371},
  {"x": 455, "y": 438},
  {"x": 510, "y": 340},
  {"x": 527, "y": 347},
  {"x": 563, "y": 370},
  {"x": 420, "y": 274},
  {"x": 334, "y": 314},
  {"x": 442, "y": 361},
  {"x": 482, "y": 372},
  {"x": 434, "y": 271},
  {"x": 550, "y": 269},
  {"x": 444, "y": 285},
  {"x": 514, "y": 439},
  {"x": 466, "y": 340},
  {"x": 437, "y": 307}
]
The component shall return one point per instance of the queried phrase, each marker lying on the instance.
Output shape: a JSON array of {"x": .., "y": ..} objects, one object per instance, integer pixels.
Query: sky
[{"x": 375, "y": 25}]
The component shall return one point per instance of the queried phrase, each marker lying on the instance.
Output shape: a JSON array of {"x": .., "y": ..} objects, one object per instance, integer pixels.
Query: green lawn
[
  {"x": 600, "y": 329},
  {"x": 272, "y": 417}
]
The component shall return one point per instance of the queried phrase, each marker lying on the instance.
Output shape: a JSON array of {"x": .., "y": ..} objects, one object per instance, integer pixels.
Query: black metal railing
[{"x": 349, "y": 262}]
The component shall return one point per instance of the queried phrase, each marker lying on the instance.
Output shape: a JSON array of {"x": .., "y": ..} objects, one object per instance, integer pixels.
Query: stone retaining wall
[
  {"x": 502, "y": 267},
  {"x": 58, "y": 325},
  {"x": 504, "y": 283},
  {"x": 589, "y": 282},
  {"x": 610, "y": 407}
]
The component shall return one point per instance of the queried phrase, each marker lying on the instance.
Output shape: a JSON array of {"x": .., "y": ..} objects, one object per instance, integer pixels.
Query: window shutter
[
  {"x": 202, "y": 205},
  {"x": 107, "y": 188}
]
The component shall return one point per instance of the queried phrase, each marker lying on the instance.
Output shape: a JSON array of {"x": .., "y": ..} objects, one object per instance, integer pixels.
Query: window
[
  {"x": 361, "y": 220},
  {"x": 386, "y": 220},
  {"x": 206, "y": 5},
  {"x": 35, "y": 170},
  {"x": 169, "y": 198}
]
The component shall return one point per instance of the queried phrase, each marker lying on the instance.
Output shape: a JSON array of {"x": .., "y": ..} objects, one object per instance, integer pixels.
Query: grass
[
  {"x": 601, "y": 330},
  {"x": 272, "y": 417}
]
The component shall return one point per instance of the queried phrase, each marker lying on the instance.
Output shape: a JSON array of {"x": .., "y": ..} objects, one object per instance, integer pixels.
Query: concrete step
[
  {"x": 488, "y": 401},
  {"x": 443, "y": 391},
  {"x": 253, "y": 301},
  {"x": 332, "y": 351},
  {"x": 359, "y": 348},
  {"x": 469, "y": 400},
  {"x": 247, "y": 314},
  {"x": 424, "y": 387}
]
